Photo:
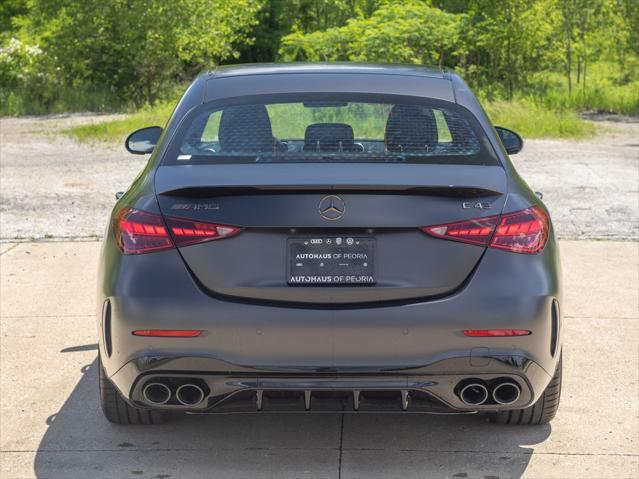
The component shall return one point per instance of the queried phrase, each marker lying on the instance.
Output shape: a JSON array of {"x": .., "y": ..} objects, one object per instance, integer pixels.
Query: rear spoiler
[{"x": 439, "y": 180}]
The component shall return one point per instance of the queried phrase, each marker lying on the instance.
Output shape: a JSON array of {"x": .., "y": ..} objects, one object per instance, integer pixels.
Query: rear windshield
[{"x": 330, "y": 128}]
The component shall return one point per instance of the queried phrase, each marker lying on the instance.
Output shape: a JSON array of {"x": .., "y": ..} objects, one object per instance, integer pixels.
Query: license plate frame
[{"x": 331, "y": 261}]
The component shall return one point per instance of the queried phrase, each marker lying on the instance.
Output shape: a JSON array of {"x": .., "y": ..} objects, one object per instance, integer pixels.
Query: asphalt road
[{"x": 51, "y": 425}]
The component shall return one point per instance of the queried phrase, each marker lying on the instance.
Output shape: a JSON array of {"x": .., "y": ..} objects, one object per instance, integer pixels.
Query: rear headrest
[
  {"x": 411, "y": 128},
  {"x": 246, "y": 128},
  {"x": 329, "y": 137}
]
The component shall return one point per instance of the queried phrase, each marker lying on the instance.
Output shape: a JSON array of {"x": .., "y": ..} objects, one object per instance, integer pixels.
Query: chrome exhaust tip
[
  {"x": 473, "y": 393},
  {"x": 156, "y": 393},
  {"x": 506, "y": 393},
  {"x": 189, "y": 395}
]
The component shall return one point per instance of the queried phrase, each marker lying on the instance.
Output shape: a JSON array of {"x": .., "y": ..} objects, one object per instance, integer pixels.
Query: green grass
[
  {"x": 117, "y": 130},
  {"x": 527, "y": 118},
  {"x": 610, "y": 88},
  {"x": 542, "y": 109},
  {"x": 43, "y": 101},
  {"x": 535, "y": 121}
]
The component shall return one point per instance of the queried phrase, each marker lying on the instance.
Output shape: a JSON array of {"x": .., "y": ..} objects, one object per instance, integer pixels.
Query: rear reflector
[
  {"x": 138, "y": 231},
  {"x": 483, "y": 333},
  {"x": 168, "y": 333},
  {"x": 524, "y": 231}
]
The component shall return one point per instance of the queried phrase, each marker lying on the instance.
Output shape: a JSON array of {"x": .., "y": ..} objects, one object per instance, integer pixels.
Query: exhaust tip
[
  {"x": 473, "y": 393},
  {"x": 189, "y": 394},
  {"x": 156, "y": 393},
  {"x": 506, "y": 393}
]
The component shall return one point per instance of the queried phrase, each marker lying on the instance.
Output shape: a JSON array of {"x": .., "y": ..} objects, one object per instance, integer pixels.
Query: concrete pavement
[{"x": 51, "y": 425}]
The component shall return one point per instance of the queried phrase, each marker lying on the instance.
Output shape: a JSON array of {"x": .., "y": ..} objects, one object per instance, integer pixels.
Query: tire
[
  {"x": 118, "y": 411},
  {"x": 542, "y": 412}
]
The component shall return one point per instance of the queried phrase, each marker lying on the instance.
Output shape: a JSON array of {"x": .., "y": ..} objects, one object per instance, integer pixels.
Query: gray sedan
[{"x": 329, "y": 237}]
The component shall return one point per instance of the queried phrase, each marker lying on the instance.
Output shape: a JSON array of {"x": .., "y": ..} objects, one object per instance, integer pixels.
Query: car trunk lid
[{"x": 283, "y": 209}]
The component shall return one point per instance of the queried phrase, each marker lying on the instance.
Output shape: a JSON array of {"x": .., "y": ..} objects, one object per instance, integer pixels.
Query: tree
[
  {"x": 514, "y": 35},
  {"x": 136, "y": 51},
  {"x": 9, "y": 10},
  {"x": 406, "y": 32},
  {"x": 278, "y": 18},
  {"x": 138, "y": 48}
]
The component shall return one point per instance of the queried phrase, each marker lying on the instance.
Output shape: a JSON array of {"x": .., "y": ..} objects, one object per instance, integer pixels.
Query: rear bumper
[
  {"x": 431, "y": 388},
  {"x": 248, "y": 346}
]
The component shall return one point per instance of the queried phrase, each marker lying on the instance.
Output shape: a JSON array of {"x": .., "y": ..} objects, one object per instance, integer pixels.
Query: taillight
[
  {"x": 186, "y": 232},
  {"x": 524, "y": 231},
  {"x": 138, "y": 231},
  {"x": 478, "y": 231}
]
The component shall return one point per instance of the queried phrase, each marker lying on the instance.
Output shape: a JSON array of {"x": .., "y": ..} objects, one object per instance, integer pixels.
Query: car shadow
[{"x": 79, "y": 442}]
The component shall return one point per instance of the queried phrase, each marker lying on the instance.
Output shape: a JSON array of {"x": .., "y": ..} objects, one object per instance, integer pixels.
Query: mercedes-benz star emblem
[{"x": 331, "y": 207}]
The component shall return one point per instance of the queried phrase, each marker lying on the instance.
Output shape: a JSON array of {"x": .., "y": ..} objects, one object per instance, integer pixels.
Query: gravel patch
[
  {"x": 591, "y": 187},
  {"x": 51, "y": 186}
]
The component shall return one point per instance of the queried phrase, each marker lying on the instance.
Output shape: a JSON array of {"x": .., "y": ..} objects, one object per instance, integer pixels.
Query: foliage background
[{"x": 536, "y": 63}]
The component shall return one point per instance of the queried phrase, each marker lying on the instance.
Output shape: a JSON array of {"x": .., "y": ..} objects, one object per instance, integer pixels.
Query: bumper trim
[{"x": 434, "y": 383}]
